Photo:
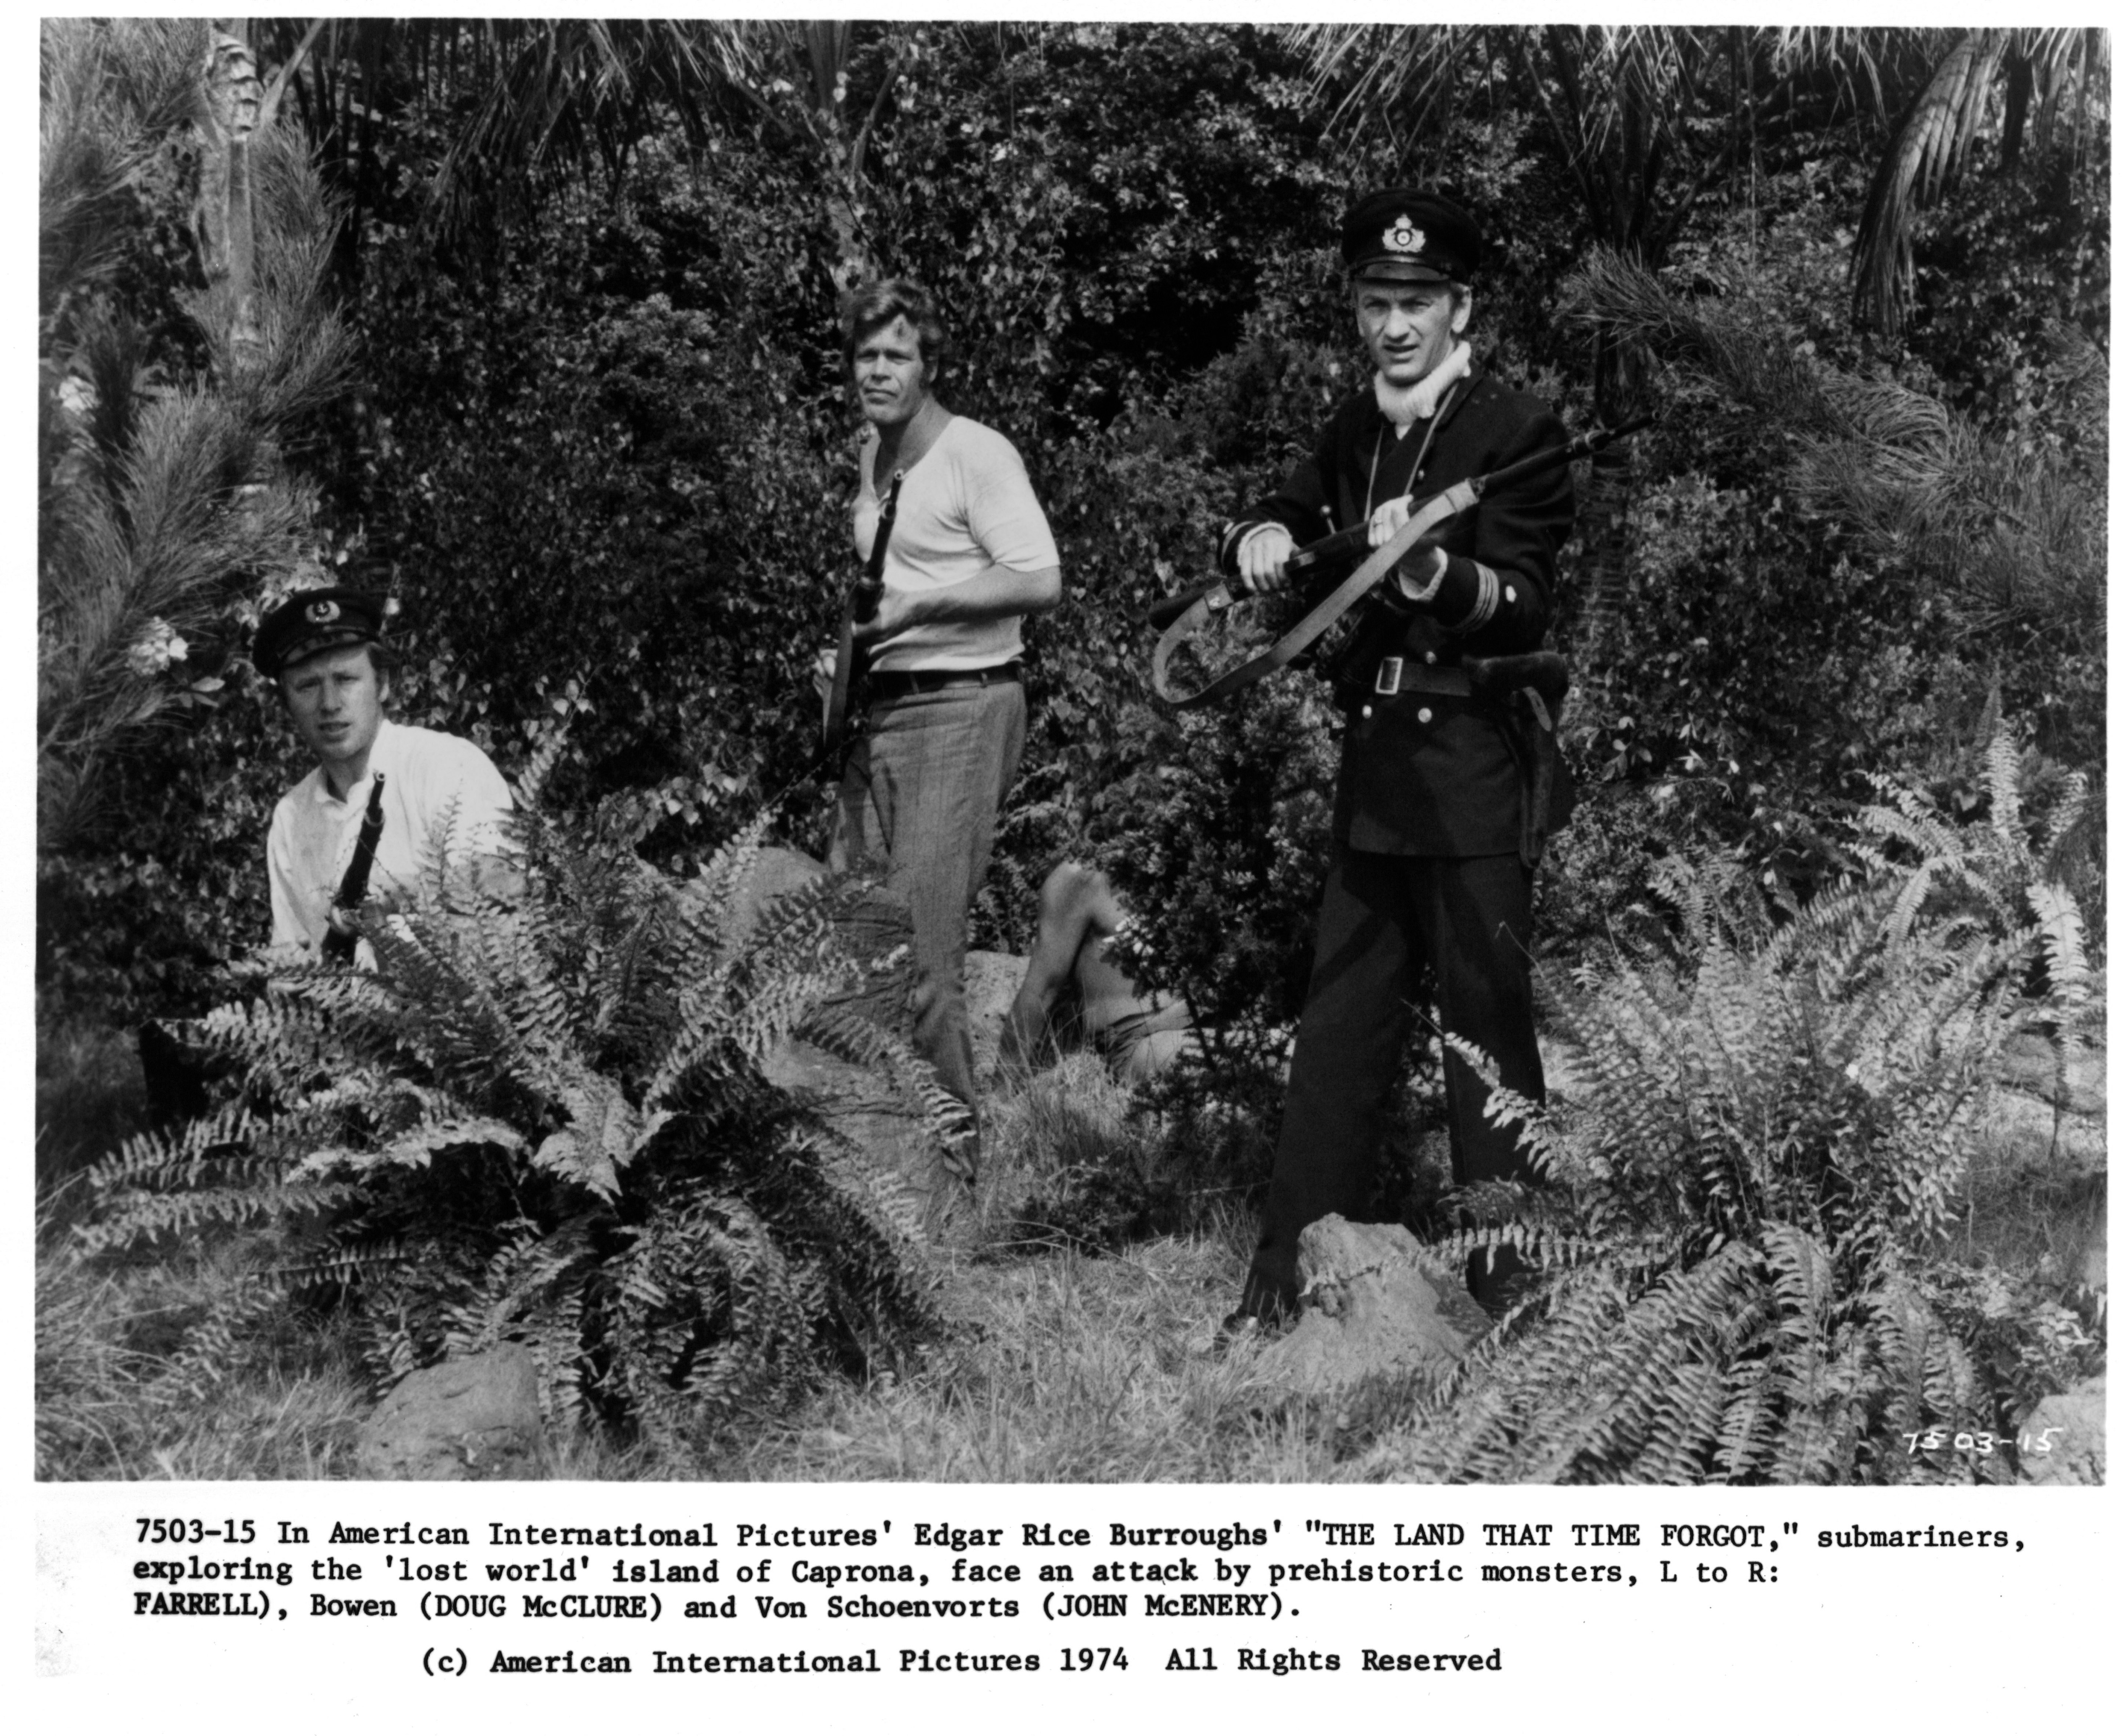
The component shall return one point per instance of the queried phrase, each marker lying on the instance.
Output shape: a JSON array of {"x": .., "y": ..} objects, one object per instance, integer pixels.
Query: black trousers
[{"x": 1383, "y": 918}]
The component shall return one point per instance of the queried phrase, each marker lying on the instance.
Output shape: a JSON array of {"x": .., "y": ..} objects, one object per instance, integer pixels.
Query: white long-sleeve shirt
[{"x": 442, "y": 796}]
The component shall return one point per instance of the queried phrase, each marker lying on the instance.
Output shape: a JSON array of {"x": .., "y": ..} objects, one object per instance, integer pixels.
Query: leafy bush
[
  {"x": 548, "y": 1122},
  {"x": 1218, "y": 843},
  {"x": 1756, "y": 1166},
  {"x": 604, "y": 456}
]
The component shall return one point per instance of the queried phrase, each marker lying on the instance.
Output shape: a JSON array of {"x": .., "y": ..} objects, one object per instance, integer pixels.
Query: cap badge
[
  {"x": 324, "y": 609},
  {"x": 1402, "y": 237}
]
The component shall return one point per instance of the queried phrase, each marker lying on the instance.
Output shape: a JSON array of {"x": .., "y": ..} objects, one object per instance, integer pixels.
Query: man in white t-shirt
[
  {"x": 969, "y": 553},
  {"x": 417, "y": 796}
]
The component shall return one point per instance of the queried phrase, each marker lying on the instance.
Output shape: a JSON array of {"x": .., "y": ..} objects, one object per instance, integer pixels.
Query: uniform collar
[{"x": 1401, "y": 406}]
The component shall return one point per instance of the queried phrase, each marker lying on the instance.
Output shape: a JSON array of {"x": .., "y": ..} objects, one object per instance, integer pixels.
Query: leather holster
[{"x": 1530, "y": 688}]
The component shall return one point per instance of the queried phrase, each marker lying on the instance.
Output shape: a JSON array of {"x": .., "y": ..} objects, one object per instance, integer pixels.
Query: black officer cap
[
  {"x": 1410, "y": 236},
  {"x": 311, "y": 622}
]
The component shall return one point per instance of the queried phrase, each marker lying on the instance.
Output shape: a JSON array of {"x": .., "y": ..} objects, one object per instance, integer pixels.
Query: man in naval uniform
[
  {"x": 1427, "y": 866},
  {"x": 421, "y": 796}
]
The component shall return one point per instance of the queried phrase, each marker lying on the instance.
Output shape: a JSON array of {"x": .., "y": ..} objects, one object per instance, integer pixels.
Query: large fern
[
  {"x": 548, "y": 1120},
  {"x": 1753, "y": 1172}
]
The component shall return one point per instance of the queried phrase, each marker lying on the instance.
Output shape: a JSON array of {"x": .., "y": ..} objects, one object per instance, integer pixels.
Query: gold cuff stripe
[{"x": 1488, "y": 603}]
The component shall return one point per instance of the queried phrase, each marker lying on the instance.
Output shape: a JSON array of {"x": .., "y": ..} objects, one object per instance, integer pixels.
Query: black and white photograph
[{"x": 796, "y": 770}]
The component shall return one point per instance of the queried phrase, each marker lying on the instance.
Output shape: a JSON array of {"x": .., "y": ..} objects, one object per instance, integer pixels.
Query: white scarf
[{"x": 1402, "y": 406}]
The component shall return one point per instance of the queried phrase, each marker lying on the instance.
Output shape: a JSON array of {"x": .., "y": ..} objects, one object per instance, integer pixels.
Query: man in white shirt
[
  {"x": 419, "y": 797},
  {"x": 969, "y": 553}
]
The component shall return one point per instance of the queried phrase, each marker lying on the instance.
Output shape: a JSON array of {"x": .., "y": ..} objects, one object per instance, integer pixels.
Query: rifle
[
  {"x": 862, "y": 605},
  {"x": 1184, "y": 613},
  {"x": 354, "y": 883}
]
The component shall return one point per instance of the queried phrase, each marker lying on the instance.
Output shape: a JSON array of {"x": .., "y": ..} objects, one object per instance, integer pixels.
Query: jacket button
[
  {"x": 1431, "y": 658},
  {"x": 1511, "y": 593},
  {"x": 1425, "y": 714},
  {"x": 1367, "y": 711}
]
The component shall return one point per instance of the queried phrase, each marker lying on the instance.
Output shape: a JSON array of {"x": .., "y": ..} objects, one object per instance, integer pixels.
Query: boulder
[
  {"x": 1562, "y": 1081},
  {"x": 874, "y": 932},
  {"x": 773, "y": 871},
  {"x": 861, "y": 1108},
  {"x": 2030, "y": 1134},
  {"x": 1370, "y": 1304},
  {"x": 2076, "y": 1082},
  {"x": 474, "y": 1419},
  {"x": 2049, "y": 1115},
  {"x": 2076, "y": 1450}
]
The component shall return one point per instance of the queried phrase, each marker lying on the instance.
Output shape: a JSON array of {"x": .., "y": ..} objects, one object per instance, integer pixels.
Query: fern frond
[
  {"x": 550, "y": 1123},
  {"x": 1999, "y": 765}
]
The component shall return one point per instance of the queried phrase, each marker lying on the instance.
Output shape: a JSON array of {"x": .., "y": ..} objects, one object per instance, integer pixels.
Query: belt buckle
[{"x": 1389, "y": 678}]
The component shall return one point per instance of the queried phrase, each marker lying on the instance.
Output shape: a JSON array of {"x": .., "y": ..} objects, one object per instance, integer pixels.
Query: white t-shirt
[
  {"x": 966, "y": 504},
  {"x": 442, "y": 796}
]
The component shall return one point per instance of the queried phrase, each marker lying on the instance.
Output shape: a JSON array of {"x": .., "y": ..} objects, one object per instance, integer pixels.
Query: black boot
[{"x": 1271, "y": 1298}]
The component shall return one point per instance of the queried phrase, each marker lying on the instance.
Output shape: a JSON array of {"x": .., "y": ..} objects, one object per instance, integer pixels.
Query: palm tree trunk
[{"x": 228, "y": 216}]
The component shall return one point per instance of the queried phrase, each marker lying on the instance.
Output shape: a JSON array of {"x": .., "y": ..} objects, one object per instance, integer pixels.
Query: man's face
[
  {"x": 892, "y": 380},
  {"x": 1410, "y": 328},
  {"x": 336, "y": 699}
]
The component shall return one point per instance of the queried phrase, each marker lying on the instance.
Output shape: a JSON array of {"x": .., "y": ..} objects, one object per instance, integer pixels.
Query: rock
[
  {"x": 773, "y": 871},
  {"x": 1560, "y": 1080},
  {"x": 2030, "y": 1136},
  {"x": 2030, "y": 1065},
  {"x": 1369, "y": 1305},
  {"x": 874, "y": 932},
  {"x": 473, "y": 1418},
  {"x": 859, "y": 1107},
  {"x": 2076, "y": 1453},
  {"x": 2049, "y": 1115}
]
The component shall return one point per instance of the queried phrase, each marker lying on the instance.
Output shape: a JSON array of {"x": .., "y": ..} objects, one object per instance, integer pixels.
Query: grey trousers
[{"x": 920, "y": 793}]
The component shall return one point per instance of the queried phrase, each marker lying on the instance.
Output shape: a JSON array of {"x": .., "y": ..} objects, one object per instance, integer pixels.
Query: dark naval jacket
[{"x": 1431, "y": 772}]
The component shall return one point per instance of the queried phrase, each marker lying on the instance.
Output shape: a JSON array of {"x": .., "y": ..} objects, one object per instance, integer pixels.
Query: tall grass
[{"x": 121, "y": 1395}]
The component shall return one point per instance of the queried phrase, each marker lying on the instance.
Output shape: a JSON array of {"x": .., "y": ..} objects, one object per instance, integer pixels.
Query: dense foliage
[
  {"x": 540, "y": 335},
  {"x": 607, "y": 448}
]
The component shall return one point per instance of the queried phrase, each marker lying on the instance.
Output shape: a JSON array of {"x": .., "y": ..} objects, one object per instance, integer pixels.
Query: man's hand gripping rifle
[{"x": 1183, "y": 615}]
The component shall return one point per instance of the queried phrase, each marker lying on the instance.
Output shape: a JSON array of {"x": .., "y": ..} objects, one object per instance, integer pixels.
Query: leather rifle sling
[
  {"x": 354, "y": 884},
  {"x": 1318, "y": 620},
  {"x": 835, "y": 714},
  {"x": 1326, "y": 614}
]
